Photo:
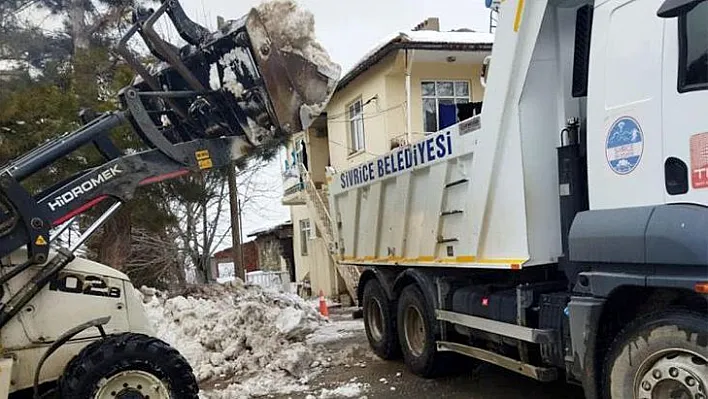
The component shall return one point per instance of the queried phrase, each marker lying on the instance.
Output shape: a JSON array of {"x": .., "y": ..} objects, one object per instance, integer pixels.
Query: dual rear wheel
[{"x": 404, "y": 327}]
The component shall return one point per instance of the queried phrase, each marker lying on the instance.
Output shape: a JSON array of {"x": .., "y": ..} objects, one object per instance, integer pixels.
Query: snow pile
[
  {"x": 245, "y": 339},
  {"x": 294, "y": 29}
]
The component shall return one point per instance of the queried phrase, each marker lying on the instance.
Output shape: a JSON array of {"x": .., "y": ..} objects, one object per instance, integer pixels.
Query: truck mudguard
[
  {"x": 426, "y": 282},
  {"x": 663, "y": 234}
]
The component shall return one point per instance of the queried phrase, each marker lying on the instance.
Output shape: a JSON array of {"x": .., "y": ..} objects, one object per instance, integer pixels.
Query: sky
[{"x": 347, "y": 30}]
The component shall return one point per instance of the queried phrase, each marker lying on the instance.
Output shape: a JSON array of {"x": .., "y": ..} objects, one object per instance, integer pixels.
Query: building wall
[
  {"x": 396, "y": 90},
  {"x": 269, "y": 253},
  {"x": 318, "y": 156},
  {"x": 369, "y": 84},
  {"x": 222, "y": 262},
  {"x": 317, "y": 263},
  {"x": 385, "y": 118}
]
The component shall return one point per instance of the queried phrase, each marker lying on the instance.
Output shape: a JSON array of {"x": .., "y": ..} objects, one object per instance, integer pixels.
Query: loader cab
[{"x": 647, "y": 89}]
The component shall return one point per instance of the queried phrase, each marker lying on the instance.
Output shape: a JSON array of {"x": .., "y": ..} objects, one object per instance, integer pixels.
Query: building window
[
  {"x": 355, "y": 114},
  {"x": 439, "y": 99},
  {"x": 305, "y": 235},
  {"x": 693, "y": 64}
]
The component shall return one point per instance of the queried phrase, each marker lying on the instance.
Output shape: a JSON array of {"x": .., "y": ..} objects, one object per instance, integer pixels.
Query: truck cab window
[{"x": 693, "y": 64}]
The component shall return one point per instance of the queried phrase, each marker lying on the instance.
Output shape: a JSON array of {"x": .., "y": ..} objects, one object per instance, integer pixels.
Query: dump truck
[
  {"x": 562, "y": 233},
  {"x": 76, "y": 329}
]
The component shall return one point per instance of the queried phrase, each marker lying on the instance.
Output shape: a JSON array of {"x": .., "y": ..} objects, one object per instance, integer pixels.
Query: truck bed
[{"x": 414, "y": 206}]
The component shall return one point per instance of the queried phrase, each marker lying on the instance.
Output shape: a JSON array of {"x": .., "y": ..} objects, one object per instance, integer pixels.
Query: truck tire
[
  {"x": 662, "y": 355},
  {"x": 416, "y": 332},
  {"x": 128, "y": 366},
  {"x": 380, "y": 321}
]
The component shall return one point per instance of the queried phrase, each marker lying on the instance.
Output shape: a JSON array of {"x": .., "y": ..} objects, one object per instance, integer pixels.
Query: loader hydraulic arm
[{"x": 199, "y": 107}]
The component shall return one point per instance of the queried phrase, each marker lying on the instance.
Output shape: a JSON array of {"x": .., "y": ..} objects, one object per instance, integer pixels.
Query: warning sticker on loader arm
[{"x": 699, "y": 160}]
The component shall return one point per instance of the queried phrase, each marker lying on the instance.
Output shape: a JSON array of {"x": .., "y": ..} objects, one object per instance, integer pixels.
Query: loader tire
[
  {"x": 380, "y": 322},
  {"x": 662, "y": 355},
  {"x": 417, "y": 334},
  {"x": 128, "y": 366}
]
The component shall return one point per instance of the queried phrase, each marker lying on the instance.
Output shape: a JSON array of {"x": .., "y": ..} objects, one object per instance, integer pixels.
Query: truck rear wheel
[
  {"x": 664, "y": 355},
  {"x": 380, "y": 322},
  {"x": 416, "y": 332},
  {"x": 128, "y": 366}
]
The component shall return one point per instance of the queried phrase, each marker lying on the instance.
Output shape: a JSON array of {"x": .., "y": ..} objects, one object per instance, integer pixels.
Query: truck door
[
  {"x": 625, "y": 162},
  {"x": 685, "y": 95}
]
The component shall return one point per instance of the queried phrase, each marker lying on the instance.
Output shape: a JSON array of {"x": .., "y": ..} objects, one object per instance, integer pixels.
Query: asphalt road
[{"x": 390, "y": 379}]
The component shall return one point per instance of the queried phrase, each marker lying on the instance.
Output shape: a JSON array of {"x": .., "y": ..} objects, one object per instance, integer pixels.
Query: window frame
[
  {"x": 305, "y": 236},
  {"x": 351, "y": 119},
  {"x": 437, "y": 98},
  {"x": 681, "y": 85}
]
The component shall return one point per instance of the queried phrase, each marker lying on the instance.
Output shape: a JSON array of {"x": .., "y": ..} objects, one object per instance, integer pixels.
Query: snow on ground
[
  {"x": 245, "y": 341},
  {"x": 349, "y": 390},
  {"x": 332, "y": 332}
]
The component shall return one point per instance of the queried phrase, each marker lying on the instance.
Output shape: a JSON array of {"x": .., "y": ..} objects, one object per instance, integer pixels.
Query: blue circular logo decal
[{"x": 625, "y": 145}]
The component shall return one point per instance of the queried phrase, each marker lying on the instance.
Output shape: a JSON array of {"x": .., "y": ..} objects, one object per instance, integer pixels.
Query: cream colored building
[{"x": 414, "y": 83}]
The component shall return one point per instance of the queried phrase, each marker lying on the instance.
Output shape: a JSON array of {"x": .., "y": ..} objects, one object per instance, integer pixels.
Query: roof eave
[{"x": 398, "y": 44}]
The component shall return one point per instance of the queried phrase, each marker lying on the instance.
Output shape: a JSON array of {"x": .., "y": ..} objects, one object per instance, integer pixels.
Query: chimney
[{"x": 432, "y": 23}]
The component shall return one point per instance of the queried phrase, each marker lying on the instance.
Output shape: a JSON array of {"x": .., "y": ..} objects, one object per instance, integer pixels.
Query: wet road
[{"x": 390, "y": 379}]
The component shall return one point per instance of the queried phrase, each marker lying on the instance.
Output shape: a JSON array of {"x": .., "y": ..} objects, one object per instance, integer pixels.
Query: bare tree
[
  {"x": 200, "y": 204},
  {"x": 155, "y": 260}
]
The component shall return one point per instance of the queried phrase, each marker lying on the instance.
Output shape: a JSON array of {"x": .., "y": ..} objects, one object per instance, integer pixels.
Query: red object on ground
[{"x": 324, "y": 311}]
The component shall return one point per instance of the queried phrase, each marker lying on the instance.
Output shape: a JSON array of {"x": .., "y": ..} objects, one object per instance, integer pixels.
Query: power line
[
  {"x": 362, "y": 106},
  {"x": 367, "y": 117}
]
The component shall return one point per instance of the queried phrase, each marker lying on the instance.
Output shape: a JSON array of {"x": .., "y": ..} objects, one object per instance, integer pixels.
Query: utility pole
[{"x": 236, "y": 251}]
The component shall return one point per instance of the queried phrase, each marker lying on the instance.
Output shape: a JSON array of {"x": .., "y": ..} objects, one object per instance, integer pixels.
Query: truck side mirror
[{"x": 674, "y": 8}]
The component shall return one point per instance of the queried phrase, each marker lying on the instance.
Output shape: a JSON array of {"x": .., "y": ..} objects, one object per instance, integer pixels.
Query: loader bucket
[
  {"x": 297, "y": 72},
  {"x": 263, "y": 75},
  {"x": 279, "y": 75}
]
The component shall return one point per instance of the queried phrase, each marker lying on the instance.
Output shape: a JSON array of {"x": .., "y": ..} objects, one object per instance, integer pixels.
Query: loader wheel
[
  {"x": 128, "y": 366},
  {"x": 664, "y": 355},
  {"x": 416, "y": 332},
  {"x": 380, "y": 322}
]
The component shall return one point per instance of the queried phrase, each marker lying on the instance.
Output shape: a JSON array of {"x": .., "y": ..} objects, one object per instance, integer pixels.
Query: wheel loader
[{"x": 73, "y": 328}]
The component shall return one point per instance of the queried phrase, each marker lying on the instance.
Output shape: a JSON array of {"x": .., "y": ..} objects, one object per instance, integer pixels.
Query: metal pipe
[
  {"x": 95, "y": 226},
  {"x": 63, "y": 228},
  {"x": 168, "y": 51},
  {"x": 409, "y": 69},
  {"x": 54, "y": 151}
]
